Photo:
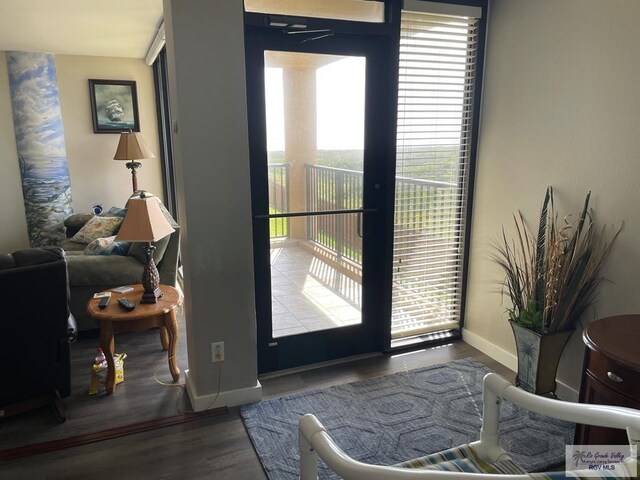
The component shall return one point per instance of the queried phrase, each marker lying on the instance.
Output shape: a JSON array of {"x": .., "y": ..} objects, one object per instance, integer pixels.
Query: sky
[{"x": 340, "y": 105}]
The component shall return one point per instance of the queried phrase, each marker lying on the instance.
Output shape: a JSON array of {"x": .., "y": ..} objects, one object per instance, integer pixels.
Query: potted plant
[{"x": 551, "y": 280}]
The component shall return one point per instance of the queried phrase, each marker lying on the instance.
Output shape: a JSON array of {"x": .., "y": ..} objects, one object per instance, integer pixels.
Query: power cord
[
  {"x": 182, "y": 386},
  {"x": 215, "y": 399}
]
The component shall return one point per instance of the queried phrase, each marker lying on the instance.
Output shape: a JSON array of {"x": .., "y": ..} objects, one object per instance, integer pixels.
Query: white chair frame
[{"x": 314, "y": 441}]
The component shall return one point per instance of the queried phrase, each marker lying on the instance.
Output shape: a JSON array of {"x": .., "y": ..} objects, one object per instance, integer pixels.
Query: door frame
[{"x": 379, "y": 169}]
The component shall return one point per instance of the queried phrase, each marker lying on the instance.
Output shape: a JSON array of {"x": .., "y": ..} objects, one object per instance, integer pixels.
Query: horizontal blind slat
[{"x": 435, "y": 95}]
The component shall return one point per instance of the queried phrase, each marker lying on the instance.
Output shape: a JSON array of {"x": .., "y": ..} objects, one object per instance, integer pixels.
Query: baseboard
[
  {"x": 509, "y": 360},
  {"x": 565, "y": 392},
  {"x": 230, "y": 398},
  {"x": 499, "y": 354}
]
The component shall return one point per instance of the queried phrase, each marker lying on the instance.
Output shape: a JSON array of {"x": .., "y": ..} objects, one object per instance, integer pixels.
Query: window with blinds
[{"x": 435, "y": 107}]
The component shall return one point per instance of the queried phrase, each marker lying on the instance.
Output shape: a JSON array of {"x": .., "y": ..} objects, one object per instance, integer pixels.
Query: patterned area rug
[{"x": 399, "y": 417}]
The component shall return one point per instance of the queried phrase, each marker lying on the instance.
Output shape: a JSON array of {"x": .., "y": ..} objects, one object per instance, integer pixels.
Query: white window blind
[{"x": 435, "y": 108}]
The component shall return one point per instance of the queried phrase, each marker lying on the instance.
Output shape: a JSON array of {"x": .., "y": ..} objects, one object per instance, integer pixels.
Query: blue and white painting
[{"x": 40, "y": 143}]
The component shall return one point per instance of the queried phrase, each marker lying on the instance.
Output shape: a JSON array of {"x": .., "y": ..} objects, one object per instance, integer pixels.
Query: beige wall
[
  {"x": 95, "y": 176},
  {"x": 13, "y": 234},
  {"x": 205, "y": 47},
  {"x": 560, "y": 107}
]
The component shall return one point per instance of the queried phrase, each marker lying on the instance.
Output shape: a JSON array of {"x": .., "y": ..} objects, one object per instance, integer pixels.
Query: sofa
[
  {"x": 89, "y": 274},
  {"x": 35, "y": 329}
]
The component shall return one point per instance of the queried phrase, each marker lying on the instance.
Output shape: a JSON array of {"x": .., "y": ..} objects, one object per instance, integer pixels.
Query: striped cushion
[{"x": 462, "y": 459}]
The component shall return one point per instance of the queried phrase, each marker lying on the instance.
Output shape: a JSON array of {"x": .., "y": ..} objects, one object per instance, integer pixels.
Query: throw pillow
[
  {"x": 99, "y": 246},
  {"x": 97, "y": 227},
  {"x": 107, "y": 246},
  {"x": 119, "y": 248},
  {"x": 137, "y": 250},
  {"x": 115, "y": 212}
]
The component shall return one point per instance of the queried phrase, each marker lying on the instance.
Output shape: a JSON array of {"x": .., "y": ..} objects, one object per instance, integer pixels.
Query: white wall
[
  {"x": 205, "y": 44},
  {"x": 561, "y": 107},
  {"x": 13, "y": 234},
  {"x": 95, "y": 177}
]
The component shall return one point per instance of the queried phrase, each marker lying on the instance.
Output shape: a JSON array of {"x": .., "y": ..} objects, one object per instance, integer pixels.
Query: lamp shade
[
  {"x": 132, "y": 147},
  {"x": 144, "y": 221}
]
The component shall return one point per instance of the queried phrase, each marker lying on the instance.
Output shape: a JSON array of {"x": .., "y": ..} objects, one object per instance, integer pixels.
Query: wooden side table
[
  {"x": 611, "y": 374},
  {"x": 115, "y": 319}
]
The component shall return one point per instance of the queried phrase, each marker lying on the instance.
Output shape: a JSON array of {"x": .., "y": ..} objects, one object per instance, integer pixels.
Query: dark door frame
[
  {"x": 163, "y": 109},
  {"x": 389, "y": 32},
  {"x": 287, "y": 352}
]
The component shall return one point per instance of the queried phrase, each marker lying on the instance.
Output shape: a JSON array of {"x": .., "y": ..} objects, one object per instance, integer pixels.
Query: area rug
[{"x": 398, "y": 417}]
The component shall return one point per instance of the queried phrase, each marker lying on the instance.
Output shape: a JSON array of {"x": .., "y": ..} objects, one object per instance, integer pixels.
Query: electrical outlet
[{"x": 217, "y": 352}]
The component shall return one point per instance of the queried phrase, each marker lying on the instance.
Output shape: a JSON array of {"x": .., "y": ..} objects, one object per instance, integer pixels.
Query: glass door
[{"x": 317, "y": 157}]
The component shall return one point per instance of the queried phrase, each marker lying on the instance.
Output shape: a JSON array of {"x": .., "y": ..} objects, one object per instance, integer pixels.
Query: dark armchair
[{"x": 35, "y": 329}]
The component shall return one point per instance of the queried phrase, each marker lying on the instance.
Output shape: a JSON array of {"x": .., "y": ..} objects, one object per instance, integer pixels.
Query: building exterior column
[{"x": 299, "y": 85}]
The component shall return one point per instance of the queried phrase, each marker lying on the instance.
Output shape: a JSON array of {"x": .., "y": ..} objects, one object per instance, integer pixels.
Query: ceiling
[{"x": 115, "y": 28}]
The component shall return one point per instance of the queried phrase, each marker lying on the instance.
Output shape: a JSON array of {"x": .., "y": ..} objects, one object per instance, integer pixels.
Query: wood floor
[
  {"x": 215, "y": 448},
  {"x": 139, "y": 399}
]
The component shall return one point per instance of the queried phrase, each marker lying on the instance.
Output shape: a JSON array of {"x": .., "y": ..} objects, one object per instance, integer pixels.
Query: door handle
[
  {"x": 614, "y": 378},
  {"x": 359, "y": 224}
]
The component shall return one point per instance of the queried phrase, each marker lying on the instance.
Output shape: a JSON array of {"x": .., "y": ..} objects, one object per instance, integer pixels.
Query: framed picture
[{"x": 114, "y": 106}]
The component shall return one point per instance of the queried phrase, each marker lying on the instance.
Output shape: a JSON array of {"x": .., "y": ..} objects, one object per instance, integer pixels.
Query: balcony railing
[
  {"x": 426, "y": 245},
  {"x": 420, "y": 206},
  {"x": 335, "y": 189},
  {"x": 278, "y": 175}
]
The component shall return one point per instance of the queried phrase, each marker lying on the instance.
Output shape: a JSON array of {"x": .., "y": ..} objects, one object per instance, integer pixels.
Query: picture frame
[{"x": 114, "y": 106}]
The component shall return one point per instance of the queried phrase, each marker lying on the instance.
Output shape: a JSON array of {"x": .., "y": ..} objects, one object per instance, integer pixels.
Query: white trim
[
  {"x": 509, "y": 360},
  {"x": 442, "y": 8},
  {"x": 156, "y": 46},
  {"x": 231, "y": 398},
  {"x": 501, "y": 355},
  {"x": 566, "y": 392}
]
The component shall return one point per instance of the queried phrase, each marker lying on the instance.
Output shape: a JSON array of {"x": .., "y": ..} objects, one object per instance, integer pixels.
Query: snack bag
[{"x": 99, "y": 374}]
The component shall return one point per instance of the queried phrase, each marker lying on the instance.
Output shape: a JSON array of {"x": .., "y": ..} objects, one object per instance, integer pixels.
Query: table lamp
[
  {"x": 131, "y": 147},
  {"x": 145, "y": 222}
]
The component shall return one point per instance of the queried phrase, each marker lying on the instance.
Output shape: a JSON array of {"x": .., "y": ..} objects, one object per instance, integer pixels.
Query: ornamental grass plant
[{"x": 554, "y": 277}]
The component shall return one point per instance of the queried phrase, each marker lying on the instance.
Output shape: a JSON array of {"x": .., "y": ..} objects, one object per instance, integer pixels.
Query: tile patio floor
[{"x": 308, "y": 294}]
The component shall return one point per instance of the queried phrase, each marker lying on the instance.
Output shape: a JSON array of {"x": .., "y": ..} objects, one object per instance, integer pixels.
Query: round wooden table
[{"x": 115, "y": 319}]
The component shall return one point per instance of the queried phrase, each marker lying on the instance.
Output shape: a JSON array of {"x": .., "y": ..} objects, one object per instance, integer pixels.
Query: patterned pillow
[
  {"x": 115, "y": 212},
  {"x": 99, "y": 246},
  {"x": 118, "y": 248},
  {"x": 97, "y": 227},
  {"x": 107, "y": 246}
]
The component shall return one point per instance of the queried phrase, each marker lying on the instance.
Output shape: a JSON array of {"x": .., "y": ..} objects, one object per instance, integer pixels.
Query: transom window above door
[{"x": 353, "y": 10}]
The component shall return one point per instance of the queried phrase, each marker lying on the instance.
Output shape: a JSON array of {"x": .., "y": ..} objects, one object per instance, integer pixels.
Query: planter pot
[{"x": 538, "y": 358}]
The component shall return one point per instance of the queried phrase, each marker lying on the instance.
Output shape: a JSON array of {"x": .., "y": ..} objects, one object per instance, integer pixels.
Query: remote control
[
  {"x": 104, "y": 301},
  {"x": 126, "y": 304}
]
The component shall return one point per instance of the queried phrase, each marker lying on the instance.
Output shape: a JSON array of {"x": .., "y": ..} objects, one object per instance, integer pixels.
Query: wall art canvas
[
  {"x": 40, "y": 144},
  {"x": 114, "y": 106}
]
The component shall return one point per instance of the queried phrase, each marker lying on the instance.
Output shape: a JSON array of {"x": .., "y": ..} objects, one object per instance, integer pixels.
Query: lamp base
[
  {"x": 150, "y": 277},
  {"x": 152, "y": 296}
]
